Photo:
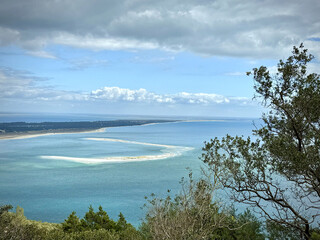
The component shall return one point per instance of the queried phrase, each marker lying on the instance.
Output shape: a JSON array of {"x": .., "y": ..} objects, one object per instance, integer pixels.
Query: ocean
[{"x": 51, "y": 176}]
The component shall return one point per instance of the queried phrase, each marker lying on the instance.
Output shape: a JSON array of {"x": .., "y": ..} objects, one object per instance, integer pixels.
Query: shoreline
[{"x": 34, "y": 134}]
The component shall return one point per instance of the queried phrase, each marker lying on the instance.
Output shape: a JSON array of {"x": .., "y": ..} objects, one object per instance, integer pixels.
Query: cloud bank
[
  {"x": 142, "y": 95},
  {"x": 246, "y": 28},
  {"x": 24, "y": 86}
]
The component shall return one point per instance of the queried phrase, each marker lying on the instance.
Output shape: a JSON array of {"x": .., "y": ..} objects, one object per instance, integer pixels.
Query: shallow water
[{"x": 50, "y": 189}]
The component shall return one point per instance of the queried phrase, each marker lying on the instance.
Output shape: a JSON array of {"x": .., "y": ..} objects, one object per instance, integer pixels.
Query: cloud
[
  {"x": 142, "y": 95},
  {"x": 8, "y": 36},
  {"x": 139, "y": 59},
  {"x": 22, "y": 91},
  {"x": 101, "y": 43},
  {"x": 41, "y": 53},
  {"x": 86, "y": 62},
  {"x": 247, "y": 28},
  {"x": 200, "y": 98},
  {"x": 22, "y": 86},
  {"x": 124, "y": 94},
  {"x": 236, "y": 74}
]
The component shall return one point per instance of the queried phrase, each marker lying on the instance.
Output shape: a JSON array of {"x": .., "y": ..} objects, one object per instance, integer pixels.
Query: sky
[{"x": 147, "y": 57}]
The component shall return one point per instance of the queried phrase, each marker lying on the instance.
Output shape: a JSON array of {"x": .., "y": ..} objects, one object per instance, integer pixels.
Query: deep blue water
[{"x": 49, "y": 190}]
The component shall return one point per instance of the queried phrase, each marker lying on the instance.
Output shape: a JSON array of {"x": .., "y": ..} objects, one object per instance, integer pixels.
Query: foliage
[
  {"x": 94, "y": 225},
  {"x": 279, "y": 172},
  {"x": 96, "y": 221},
  {"x": 279, "y": 232},
  {"x": 243, "y": 226},
  {"x": 11, "y": 127},
  {"x": 17, "y": 226},
  {"x": 72, "y": 224},
  {"x": 5, "y": 208},
  {"x": 193, "y": 214},
  {"x": 315, "y": 234},
  {"x": 100, "y": 234}
]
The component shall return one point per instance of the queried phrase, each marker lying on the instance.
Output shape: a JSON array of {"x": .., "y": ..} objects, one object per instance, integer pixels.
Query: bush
[
  {"x": 17, "y": 226},
  {"x": 193, "y": 214}
]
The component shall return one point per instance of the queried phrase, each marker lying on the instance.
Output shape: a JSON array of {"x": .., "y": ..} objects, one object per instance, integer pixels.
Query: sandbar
[
  {"x": 111, "y": 159},
  {"x": 132, "y": 142},
  {"x": 167, "y": 152}
]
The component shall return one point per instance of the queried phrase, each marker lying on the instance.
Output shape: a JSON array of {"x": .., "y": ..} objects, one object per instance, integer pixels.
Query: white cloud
[
  {"x": 82, "y": 63},
  {"x": 101, "y": 43},
  {"x": 124, "y": 94},
  {"x": 142, "y": 95},
  {"x": 41, "y": 53},
  {"x": 22, "y": 91},
  {"x": 200, "y": 98},
  {"x": 273, "y": 70},
  {"x": 236, "y": 74},
  {"x": 23, "y": 85}
]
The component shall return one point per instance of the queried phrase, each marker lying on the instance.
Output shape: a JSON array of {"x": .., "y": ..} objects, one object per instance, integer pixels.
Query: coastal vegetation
[
  {"x": 189, "y": 215},
  {"x": 94, "y": 225},
  {"x": 21, "y": 127},
  {"x": 277, "y": 172}
]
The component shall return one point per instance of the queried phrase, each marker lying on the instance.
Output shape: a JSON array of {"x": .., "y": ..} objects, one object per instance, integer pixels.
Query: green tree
[
  {"x": 194, "y": 214},
  {"x": 279, "y": 171},
  {"x": 122, "y": 223},
  {"x": 5, "y": 208},
  {"x": 72, "y": 223},
  {"x": 94, "y": 225},
  {"x": 241, "y": 226},
  {"x": 97, "y": 220}
]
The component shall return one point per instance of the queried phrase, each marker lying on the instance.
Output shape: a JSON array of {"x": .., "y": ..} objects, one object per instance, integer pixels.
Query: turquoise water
[{"x": 50, "y": 189}]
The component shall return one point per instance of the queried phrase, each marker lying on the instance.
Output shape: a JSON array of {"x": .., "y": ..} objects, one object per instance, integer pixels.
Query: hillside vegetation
[{"x": 20, "y": 127}]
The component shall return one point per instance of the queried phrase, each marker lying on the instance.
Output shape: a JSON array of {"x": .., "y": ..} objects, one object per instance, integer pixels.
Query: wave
[{"x": 168, "y": 152}]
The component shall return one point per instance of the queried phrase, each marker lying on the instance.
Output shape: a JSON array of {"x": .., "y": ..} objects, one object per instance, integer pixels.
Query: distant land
[{"x": 13, "y": 129}]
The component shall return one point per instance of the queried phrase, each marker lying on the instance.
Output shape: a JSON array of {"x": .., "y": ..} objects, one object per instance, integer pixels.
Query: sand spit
[
  {"x": 111, "y": 159},
  {"x": 33, "y": 135},
  {"x": 167, "y": 152},
  {"x": 26, "y": 135}
]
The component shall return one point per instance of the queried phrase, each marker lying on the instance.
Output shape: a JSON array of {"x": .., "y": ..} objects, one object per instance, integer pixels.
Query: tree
[
  {"x": 278, "y": 172},
  {"x": 96, "y": 225},
  {"x": 5, "y": 208},
  {"x": 72, "y": 224},
  {"x": 121, "y": 223},
  {"x": 97, "y": 220},
  {"x": 194, "y": 214}
]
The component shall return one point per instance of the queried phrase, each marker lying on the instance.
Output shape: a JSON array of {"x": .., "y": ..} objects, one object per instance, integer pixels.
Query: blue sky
[{"x": 146, "y": 57}]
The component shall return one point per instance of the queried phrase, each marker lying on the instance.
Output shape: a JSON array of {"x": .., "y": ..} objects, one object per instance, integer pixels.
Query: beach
[{"x": 33, "y": 134}]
